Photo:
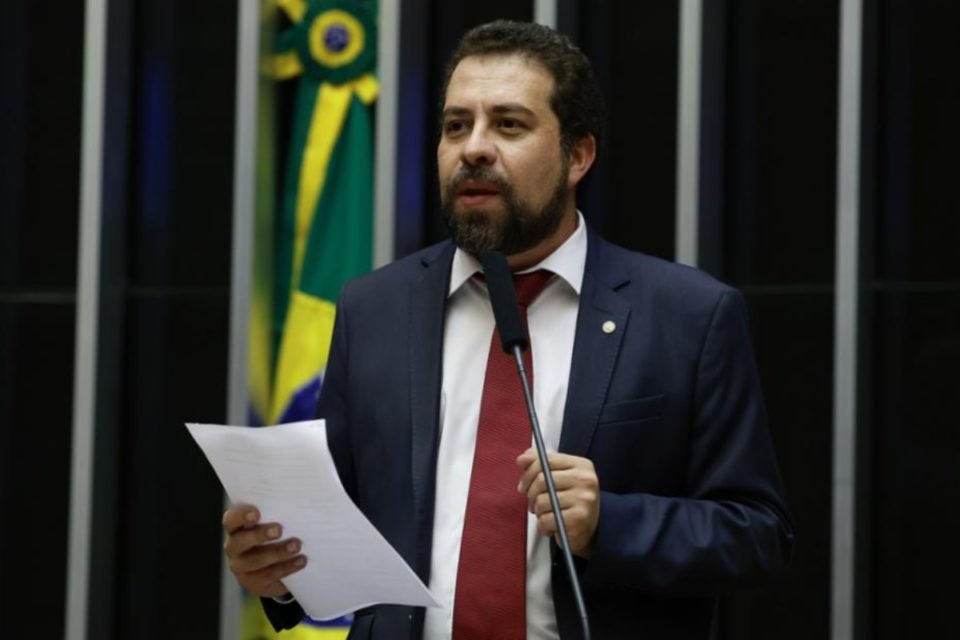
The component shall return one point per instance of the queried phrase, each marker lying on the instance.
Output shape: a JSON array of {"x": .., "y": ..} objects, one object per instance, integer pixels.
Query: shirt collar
[{"x": 567, "y": 261}]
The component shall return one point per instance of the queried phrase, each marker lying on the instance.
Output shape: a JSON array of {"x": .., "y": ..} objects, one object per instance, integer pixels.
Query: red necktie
[{"x": 490, "y": 600}]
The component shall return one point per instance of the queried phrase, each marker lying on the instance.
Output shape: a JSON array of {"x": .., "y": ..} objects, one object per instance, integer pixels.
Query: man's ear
[{"x": 582, "y": 155}]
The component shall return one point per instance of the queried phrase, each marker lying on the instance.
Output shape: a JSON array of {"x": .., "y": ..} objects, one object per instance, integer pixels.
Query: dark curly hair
[{"x": 576, "y": 99}]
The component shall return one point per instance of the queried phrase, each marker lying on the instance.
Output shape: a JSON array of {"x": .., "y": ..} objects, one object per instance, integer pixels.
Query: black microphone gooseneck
[{"x": 503, "y": 299}]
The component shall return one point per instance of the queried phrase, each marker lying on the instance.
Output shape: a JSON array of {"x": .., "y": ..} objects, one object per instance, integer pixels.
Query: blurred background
[{"x": 803, "y": 151}]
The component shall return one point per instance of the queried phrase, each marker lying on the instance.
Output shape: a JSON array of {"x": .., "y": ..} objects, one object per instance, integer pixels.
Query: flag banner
[{"x": 324, "y": 226}]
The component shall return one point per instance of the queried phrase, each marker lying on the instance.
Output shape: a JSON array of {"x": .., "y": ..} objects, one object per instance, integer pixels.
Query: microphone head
[{"x": 503, "y": 299}]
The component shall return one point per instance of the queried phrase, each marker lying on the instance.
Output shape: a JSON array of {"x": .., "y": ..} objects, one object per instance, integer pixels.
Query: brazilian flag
[{"x": 324, "y": 232}]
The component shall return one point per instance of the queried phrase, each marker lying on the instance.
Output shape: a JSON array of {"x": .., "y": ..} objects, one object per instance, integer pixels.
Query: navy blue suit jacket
[{"x": 668, "y": 407}]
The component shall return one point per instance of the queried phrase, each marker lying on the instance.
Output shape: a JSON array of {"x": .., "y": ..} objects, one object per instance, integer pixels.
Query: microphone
[
  {"x": 503, "y": 299},
  {"x": 513, "y": 338}
]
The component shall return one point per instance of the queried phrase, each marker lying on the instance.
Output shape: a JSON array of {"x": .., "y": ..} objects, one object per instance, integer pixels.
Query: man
[{"x": 643, "y": 378}]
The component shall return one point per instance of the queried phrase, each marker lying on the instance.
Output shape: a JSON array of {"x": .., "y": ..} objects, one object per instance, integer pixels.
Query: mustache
[{"x": 478, "y": 174}]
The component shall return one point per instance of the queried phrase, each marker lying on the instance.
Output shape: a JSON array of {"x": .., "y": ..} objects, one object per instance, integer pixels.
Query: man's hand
[
  {"x": 578, "y": 491},
  {"x": 257, "y": 556}
]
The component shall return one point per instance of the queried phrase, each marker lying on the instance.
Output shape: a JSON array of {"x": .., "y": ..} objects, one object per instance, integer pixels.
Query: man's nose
[{"x": 479, "y": 147}]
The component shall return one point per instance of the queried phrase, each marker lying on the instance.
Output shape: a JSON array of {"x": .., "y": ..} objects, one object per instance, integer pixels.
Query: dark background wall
[
  {"x": 40, "y": 94},
  {"x": 776, "y": 243},
  {"x": 768, "y": 209},
  {"x": 176, "y": 315},
  {"x": 163, "y": 307},
  {"x": 912, "y": 281}
]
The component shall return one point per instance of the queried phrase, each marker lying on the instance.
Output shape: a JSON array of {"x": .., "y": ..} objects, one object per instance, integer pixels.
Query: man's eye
[
  {"x": 510, "y": 124},
  {"x": 453, "y": 127}
]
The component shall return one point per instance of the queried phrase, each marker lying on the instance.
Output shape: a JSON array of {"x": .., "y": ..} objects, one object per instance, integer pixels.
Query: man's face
[{"x": 503, "y": 176}]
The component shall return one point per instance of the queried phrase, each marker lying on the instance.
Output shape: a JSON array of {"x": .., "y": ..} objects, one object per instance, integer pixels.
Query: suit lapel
[
  {"x": 595, "y": 349},
  {"x": 428, "y": 295}
]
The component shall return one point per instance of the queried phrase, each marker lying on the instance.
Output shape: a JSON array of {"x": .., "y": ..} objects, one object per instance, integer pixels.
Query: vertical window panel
[
  {"x": 916, "y": 324},
  {"x": 630, "y": 194},
  {"x": 41, "y": 79},
  {"x": 781, "y": 142},
  {"x": 778, "y": 246},
  {"x": 176, "y": 316}
]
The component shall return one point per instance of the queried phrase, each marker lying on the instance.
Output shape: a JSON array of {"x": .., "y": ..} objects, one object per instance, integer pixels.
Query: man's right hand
[{"x": 257, "y": 556}]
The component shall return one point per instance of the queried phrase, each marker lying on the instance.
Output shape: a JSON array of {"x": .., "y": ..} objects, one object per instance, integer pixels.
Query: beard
[{"x": 519, "y": 228}]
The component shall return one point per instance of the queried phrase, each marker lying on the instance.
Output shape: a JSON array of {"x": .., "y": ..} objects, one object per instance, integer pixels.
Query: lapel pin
[{"x": 609, "y": 326}]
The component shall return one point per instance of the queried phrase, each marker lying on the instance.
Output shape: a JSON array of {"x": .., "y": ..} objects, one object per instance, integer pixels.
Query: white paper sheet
[{"x": 287, "y": 472}]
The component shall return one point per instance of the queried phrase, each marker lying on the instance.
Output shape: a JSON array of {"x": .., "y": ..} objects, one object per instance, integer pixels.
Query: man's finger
[
  {"x": 265, "y": 556},
  {"x": 525, "y": 458},
  {"x": 547, "y": 524},
  {"x": 540, "y": 504},
  {"x": 572, "y": 518},
  {"x": 242, "y": 540},
  {"x": 530, "y": 466},
  {"x": 532, "y": 471},
  {"x": 236, "y": 518},
  {"x": 563, "y": 480},
  {"x": 558, "y": 461},
  {"x": 266, "y": 582}
]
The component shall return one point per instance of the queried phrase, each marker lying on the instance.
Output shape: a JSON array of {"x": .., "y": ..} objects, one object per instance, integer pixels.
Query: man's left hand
[{"x": 578, "y": 491}]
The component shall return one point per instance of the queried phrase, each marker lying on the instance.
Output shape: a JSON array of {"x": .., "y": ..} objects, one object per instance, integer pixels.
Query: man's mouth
[
  {"x": 476, "y": 189},
  {"x": 476, "y": 192}
]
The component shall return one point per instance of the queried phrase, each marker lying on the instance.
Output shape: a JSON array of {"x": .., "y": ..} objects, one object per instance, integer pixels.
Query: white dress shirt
[{"x": 552, "y": 320}]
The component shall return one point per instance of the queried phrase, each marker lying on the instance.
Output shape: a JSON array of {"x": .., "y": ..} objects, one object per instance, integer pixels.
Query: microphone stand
[{"x": 552, "y": 492}]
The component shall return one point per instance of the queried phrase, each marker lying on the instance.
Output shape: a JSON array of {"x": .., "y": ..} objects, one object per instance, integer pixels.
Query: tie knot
[{"x": 529, "y": 285}]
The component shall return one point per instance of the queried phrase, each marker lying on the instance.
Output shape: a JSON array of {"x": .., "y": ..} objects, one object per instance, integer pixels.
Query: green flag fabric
[{"x": 324, "y": 232}]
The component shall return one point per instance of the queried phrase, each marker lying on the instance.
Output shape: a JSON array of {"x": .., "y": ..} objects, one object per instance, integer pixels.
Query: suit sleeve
[
  {"x": 731, "y": 528},
  {"x": 332, "y": 407}
]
